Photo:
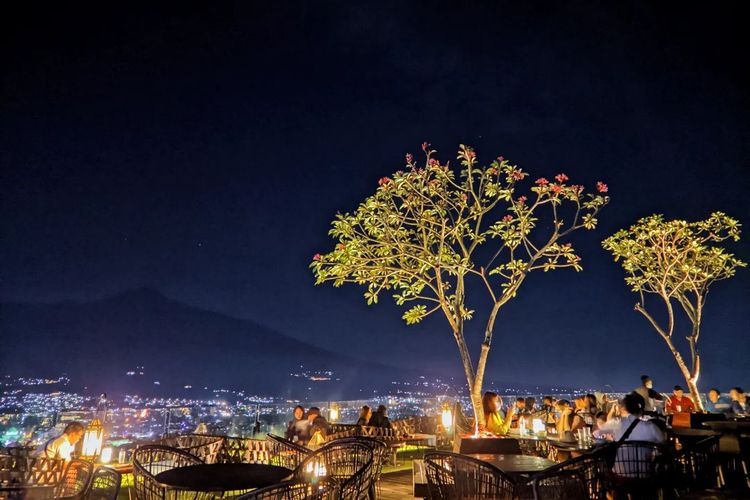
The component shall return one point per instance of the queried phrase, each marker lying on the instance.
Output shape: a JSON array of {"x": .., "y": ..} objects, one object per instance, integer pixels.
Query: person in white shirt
[
  {"x": 62, "y": 446},
  {"x": 631, "y": 427}
]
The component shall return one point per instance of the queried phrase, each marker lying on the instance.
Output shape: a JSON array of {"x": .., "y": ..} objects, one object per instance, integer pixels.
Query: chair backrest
[
  {"x": 451, "y": 476},
  {"x": 291, "y": 490},
  {"x": 31, "y": 471},
  {"x": 637, "y": 460},
  {"x": 559, "y": 485},
  {"x": 593, "y": 469},
  {"x": 697, "y": 465},
  {"x": 76, "y": 480},
  {"x": 203, "y": 446},
  {"x": 150, "y": 460},
  {"x": 285, "y": 453},
  {"x": 105, "y": 484},
  {"x": 349, "y": 465}
]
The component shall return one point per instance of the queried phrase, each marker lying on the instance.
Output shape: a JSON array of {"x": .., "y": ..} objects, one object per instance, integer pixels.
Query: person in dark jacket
[
  {"x": 298, "y": 428},
  {"x": 317, "y": 422},
  {"x": 379, "y": 418},
  {"x": 365, "y": 415}
]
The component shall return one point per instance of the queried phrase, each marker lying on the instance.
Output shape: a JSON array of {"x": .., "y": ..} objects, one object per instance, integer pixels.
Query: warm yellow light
[
  {"x": 537, "y": 426},
  {"x": 333, "y": 413},
  {"x": 447, "y": 418},
  {"x": 92, "y": 439},
  {"x": 106, "y": 455}
]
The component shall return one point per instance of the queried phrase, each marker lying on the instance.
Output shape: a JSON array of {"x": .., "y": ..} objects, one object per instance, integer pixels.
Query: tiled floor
[{"x": 396, "y": 485}]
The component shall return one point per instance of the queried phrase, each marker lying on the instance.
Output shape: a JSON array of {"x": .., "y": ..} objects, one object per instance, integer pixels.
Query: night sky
[{"x": 203, "y": 150}]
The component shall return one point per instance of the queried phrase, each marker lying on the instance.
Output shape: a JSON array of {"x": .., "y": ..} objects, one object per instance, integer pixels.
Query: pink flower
[
  {"x": 425, "y": 146},
  {"x": 500, "y": 159},
  {"x": 317, "y": 257},
  {"x": 541, "y": 181},
  {"x": 383, "y": 181},
  {"x": 556, "y": 189},
  {"x": 517, "y": 175},
  {"x": 340, "y": 247},
  {"x": 561, "y": 178},
  {"x": 601, "y": 187},
  {"x": 508, "y": 218},
  {"x": 464, "y": 197},
  {"x": 522, "y": 200},
  {"x": 434, "y": 162},
  {"x": 471, "y": 153},
  {"x": 409, "y": 158},
  {"x": 577, "y": 188}
]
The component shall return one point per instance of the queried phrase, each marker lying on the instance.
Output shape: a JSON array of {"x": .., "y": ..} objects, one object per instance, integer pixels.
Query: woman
[
  {"x": 364, "y": 415},
  {"x": 298, "y": 428},
  {"x": 582, "y": 416},
  {"x": 565, "y": 418},
  {"x": 492, "y": 405}
]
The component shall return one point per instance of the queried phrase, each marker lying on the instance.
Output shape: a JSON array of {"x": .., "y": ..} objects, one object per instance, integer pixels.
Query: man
[
  {"x": 740, "y": 405},
  {"x": 647, "y": 392},
  {"x": 520, "y": 411},
  {"x": 62, "y": 446},
  {"x": 716, "y": 403},
  {"x": 630, "y": 410},
  {"x": 678, "y": 402}
]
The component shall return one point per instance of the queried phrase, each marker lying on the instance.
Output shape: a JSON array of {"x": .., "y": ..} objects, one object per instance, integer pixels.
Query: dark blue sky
[{"x": 203, "y": 149}]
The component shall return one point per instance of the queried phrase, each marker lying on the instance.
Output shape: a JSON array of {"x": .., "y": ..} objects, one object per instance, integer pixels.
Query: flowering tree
[
  {"x": 418, "y": 237},
  {"x": 677, "y": 261}
]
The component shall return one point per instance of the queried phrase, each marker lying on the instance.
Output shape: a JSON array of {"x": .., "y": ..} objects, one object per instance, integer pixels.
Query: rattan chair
[
  {"x": 291, "y": 490},
  {"x": 150, "y": 460},
  {"x": 76, "y": 480},
  {"x": 379, "y": 457},
  {"x": 348, "y": 467},
  {"x": 638, "y": 468},
  {"x": 452, "y": 476},
  {"x": 559, "y": 484},
  {"x": 593, "y": 469},
  {"x": 105, "y": 485},
  {"x": 285, "y": 453},
  {"x": 206, "y": 447},
  {"x": 696, "y": 467}
]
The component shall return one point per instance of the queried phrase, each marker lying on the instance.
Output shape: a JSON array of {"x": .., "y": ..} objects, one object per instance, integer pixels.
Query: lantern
[
  {"x": 92, "y": 439},
  {"x": 538, "y": 426},
  {"x": 446, "y": 417},
  {"x": 333, "y": 412}
]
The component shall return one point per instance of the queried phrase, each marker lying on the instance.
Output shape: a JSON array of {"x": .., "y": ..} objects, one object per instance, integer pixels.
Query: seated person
[
  {"x": 583, "y": 416},
  {"x": 364, "y": 416},
  {"x": 379, "y": 418},
  {"x": 495, "y": 423},
  {"x": 678, "y": 402},
  {"x": 299, "y": 427},
  {"x": 564, "y": 417},
  {"x": 630, "y": 410},
  {"x": 318, "y": 426},
  {"x": 716, "y": 403},
  {"x": 62, "y": 446},
  {"x": 520, "y": 411},
  {"x": 740, "y": 404}
]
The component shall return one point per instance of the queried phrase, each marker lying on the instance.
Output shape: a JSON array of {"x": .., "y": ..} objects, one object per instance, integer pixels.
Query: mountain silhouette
[{"x": 141, "y": 331}]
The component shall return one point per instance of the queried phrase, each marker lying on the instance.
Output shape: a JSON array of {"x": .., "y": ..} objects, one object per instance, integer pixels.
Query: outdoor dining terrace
[{"x": 417, "y": 457}]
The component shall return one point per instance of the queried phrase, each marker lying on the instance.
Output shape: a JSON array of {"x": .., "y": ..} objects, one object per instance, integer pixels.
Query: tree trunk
[{"x": 691, "y": 379}]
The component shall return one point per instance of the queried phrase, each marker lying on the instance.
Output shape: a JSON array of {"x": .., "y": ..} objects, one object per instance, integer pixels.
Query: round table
[
  {"x": 515, "y": 464},
  {"x": 223, "y": 477}
]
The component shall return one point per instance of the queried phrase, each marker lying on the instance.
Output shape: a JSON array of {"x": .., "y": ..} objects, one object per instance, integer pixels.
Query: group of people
[
  {"x": 307, "y": 427},
  {"x": 678, "y": 402},
  {"x": 310, "y": 428}
]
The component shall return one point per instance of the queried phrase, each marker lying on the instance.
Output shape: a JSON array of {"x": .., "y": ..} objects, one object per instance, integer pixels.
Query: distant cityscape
[{"x": 32, "y": 410}]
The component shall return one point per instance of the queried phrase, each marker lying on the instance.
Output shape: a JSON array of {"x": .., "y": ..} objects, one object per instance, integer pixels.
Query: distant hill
[{"x": 97, "y": 343}]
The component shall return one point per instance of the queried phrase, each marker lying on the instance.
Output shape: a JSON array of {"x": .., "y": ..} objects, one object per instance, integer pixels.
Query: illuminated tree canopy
[
  {"x": 418, "y": 237},
  {"x": 677, "y": 261}
]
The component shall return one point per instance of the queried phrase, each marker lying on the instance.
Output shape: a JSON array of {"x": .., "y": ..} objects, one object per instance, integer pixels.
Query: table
[
  {"x": 223, "y": 477},
  {"x": 515, "y": 465}
]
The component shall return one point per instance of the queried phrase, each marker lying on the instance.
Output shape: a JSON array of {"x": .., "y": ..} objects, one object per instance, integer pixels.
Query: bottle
[{"x": 522, "y": 426}]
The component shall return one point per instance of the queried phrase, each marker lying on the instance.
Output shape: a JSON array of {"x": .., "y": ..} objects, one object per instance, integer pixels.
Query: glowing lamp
[
  {"x": 106, "y": 456},
  {"x": 92, "y": 439},
  {"x": 446, "y": 417},
  {"x": 537, "y": 426},
  {"x": 333, "y": 412}
]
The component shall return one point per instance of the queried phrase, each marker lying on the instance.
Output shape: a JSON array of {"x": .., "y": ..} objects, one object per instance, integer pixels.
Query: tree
[
  {"x": 418, "y": 237},
  {"x": 677, "y": 262}
]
